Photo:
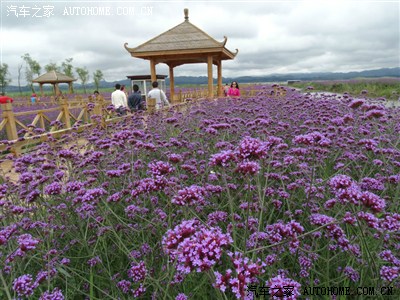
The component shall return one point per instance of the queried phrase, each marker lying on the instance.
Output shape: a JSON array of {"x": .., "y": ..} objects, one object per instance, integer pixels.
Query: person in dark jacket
[{"x": 135, "y": 99}]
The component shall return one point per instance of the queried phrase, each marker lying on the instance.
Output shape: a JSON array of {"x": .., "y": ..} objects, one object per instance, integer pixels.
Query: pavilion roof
[
  {"x": 53, "y": 77},
  {"x": 183, "y": 39}
]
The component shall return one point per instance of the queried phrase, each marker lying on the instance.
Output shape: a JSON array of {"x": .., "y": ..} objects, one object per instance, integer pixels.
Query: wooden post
[
  {"x": 153, "y": 70},
  {"x": 98, "y": 111},
  {"x": 11, "y": 127},
  {"x": 276, "y": 87},
  {"x": 219, "y": 71},
  {"x": 65, "y": 110},
  {"x": 151, "y": 105},
  {"x": 172, "y": 85},
  {"x": 210, "y": 76},
  {"x": 41, "y": 119}
]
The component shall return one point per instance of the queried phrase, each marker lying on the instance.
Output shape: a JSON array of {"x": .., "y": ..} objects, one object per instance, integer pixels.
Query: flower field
[{"x": 227, "y": 199}]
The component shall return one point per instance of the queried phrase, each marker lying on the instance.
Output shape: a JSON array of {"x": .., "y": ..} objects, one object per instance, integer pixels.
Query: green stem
[
  {"x": 231, "y": 210},
  {"x": 91, "y": 284},
  {"x": 286, "y": 241},
  {"x": 3, "y": 281}
]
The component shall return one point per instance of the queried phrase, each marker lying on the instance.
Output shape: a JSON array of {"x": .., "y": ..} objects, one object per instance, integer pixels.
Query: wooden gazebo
[
  {"x": 54, "y": 78},
  {"x": 184, "y": 44}
]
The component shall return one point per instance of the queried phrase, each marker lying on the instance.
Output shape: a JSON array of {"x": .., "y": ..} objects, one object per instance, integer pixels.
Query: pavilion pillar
[
  {"x": 210, "y": 76},
  {"x": 41, "y": 89},
  {"x": 70, "y": 87},
  {"x": 171, "y": 84},
  {"x": 219, "y": 71},
  {"x": 57, "y": 89},
  {"x": 153, "y": 70}
]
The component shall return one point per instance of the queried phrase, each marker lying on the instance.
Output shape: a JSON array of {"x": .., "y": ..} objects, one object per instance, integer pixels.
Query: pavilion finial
[{"x": 186, "y": 12}]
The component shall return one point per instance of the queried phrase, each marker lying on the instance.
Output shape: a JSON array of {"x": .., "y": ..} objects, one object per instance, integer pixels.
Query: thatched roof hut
[{"x": 54, "y": 78}]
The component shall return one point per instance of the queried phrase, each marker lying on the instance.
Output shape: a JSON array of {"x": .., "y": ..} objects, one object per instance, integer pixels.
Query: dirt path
[{"x": 7, "y": 172}]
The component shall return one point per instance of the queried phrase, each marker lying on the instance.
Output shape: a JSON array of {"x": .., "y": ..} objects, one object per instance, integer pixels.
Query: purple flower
[
  {"x": 388, "y": 256},
  {"x": 356, "y": 103},
  {"x": 66, "y": 153},
  {"x": 372, "y": 184},
  {"x": 369, "y": 144},
  {"x": 278, "y": 283},
  {"x": 133, "y": 210},
  {"x": 192, "y": 195},
  {"x": 389, "y": 273},
  {"x": 74, "y": 186},
  {"x": 26, "y": 242},
  {"x": 351, "y": 274},
  {"x": 312, "y": 139},
  {"x": 137, "y": 272},
  {"x": 24, "y": 285},
  {"x": 115, "y": 197},
  {"x": 181, "y": 296},
  {"x": 248, "y": 167},
  {"x": 375, "y": 113},
  {"x": 175, "y": 158},
  {"x": 114, "y": 173},
  {"x": 252, "y": 148},
  {"x": 195, "y": 246},
  {"x": 93, "y": 195},
  {"x": 31, "y": 197},
  {"x": 94, "y": 261},
  {"x": 217, "y": 216},
  {"x": 26, "y": 177},
  {"x": 222, "y": 158},
  {"x": 124, "y": 286},
  {"x": 56, "y": 294},
  {"x": 245, "y": 273},
  {"x": 372, "y": 201},
  {"x": 160, "y": 168},
  {"x": 53, "y": 189}
]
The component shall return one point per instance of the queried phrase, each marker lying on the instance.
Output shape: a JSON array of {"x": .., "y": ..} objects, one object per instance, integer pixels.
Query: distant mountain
[{"x": 192, "y": 80}]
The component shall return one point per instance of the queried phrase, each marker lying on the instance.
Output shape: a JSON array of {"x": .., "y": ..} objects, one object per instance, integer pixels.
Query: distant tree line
[{"x": 33, "y": 69}]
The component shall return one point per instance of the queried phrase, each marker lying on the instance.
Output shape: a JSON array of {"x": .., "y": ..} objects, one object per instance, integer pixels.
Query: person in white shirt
[
  {"x": 118, "y": 99},
  {"x": 159, "y": 95}
]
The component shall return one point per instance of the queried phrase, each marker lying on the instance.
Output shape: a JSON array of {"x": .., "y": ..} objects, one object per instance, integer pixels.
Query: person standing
[
  {"x": 159, "y": 95},
  {"x": 124, "y": 90},
  {"x": 135, "y": 99},
  {"x": 118, "y": 99},
  {"x": 226, "y": 90},
  {"x": 234, "y": 90},
  {"x": 96, "y": 95}
]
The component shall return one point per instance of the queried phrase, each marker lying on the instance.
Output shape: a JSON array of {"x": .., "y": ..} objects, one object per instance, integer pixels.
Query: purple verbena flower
[
  {"x": 192, "y": 195},
  {"x": 56, "y": 294},
  {"x": 24, "y": 285}
]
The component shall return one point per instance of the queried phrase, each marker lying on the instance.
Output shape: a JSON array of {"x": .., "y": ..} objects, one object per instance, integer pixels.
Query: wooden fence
[
  {"x": 75, "y": 114},
  {"x": 71, "y": 115}
]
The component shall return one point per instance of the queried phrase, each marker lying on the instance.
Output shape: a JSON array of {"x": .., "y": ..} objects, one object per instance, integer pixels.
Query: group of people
[{"x": 134, "y": 102}]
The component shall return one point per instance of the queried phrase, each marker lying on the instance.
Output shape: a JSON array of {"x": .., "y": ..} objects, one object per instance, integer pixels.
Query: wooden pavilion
[
  {"x": 54, "y": 78},
  {"x": 184, "y": 44}
]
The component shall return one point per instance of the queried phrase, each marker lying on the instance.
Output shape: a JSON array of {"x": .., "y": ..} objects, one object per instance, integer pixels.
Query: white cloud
[{"x": 272, "y": 36}]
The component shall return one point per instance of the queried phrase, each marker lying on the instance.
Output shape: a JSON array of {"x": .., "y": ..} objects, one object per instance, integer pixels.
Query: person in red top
[
  {"x": 234, "y": 90},
  {"x": 5, "y": 99}
]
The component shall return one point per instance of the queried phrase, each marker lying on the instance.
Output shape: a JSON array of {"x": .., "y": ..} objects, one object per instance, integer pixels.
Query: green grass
[{"x": 388, "y": 88}]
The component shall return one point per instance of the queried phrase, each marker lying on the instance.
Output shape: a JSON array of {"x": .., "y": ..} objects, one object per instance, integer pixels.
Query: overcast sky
[{"x": 272, "y": 36}]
